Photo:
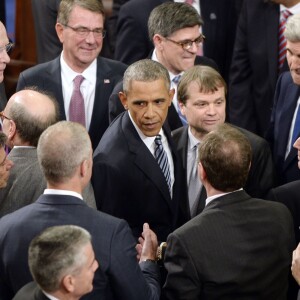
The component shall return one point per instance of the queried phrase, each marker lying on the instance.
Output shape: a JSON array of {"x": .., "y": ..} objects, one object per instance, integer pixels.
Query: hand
[
  {"x": 147, "y": 246},
  {"x": 297, "y": 146},
  {"x": 296, "y": 264}
]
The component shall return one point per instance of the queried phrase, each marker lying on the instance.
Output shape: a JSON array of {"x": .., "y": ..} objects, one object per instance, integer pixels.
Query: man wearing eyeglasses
[
  {"x": 174, "y": 29},
  {"x": 5, "y": 163},
  {"x": 80, "y": 80},
  {"x": 5, "y": 46}
]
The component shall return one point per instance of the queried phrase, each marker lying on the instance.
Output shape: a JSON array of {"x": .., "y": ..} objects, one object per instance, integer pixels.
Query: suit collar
[
  {"x": 23, "y": 152},
  {"x": 60, "y": 200}
]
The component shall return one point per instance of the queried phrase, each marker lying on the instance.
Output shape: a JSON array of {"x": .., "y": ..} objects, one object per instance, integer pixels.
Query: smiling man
[
  {"x": 201, "y": 96},
  {"x": 80, "y": 80},
  {"x": 137, "y": 174}
]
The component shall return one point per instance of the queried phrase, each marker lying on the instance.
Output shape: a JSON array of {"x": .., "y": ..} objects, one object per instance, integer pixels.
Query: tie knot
[
  {"x": 158, "y": 140},
  {"x": 284, "y": 15},
  {"x": 77, "y": 81},
  {"x": 176, "y": 79}
]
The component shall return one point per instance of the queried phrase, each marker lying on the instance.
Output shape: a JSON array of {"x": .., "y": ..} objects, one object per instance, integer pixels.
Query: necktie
[
  {"x": 184, "y": 122},
  {"x": 76, "y": 109},
  {"x": 296, "y": 130},
  {"x": 194, "y": 185},
  {"x": 162, "y": 159},
  {"x": 284, "y": 15}
]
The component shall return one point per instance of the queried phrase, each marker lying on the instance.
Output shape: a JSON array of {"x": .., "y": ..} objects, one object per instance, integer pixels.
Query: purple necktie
[{"x": 76, "y": 109}]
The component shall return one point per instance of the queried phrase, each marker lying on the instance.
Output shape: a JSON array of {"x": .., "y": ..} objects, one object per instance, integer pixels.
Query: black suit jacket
[
  {"x": 220, "y": 18},
  {"x": 285, "y": 103},
  {"x": 128, "y": 183},
  {"x": 254, "y": 68},
  {"x": 237, "y": 248},
  {"x": 118, "y": 277},
  {"x": 30, "y": 291},
  {"x": 47, "y": 76},
  {"x": 261, "y": 176},
  {"x": 115, "y": 106}
]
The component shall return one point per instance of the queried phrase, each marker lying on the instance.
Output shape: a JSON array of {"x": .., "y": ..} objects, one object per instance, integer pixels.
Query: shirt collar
[
  {"x": 62, "y": 192},
  {"x": 192, "y": 140}
]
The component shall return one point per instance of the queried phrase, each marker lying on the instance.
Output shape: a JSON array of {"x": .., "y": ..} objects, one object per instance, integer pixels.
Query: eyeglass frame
[
  {"x": 187, "y": 45},
  {"x": 86, "y": 31},
  {"x": 7, "y": 47},
  {"x": 3, "y": 116}
]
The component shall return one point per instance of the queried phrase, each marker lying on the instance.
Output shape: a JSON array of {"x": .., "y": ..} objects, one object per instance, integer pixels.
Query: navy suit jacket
[
  {"x": 254, "y": 68},
  {"x": 238, "y": 248},
  {"x": 119, "y": 275},
  {"x": 128, "y": 183},
  {"x": 261, "y": 176},
  {"x": 47, "y": 76},
  {"x": 285, "y": 102}
]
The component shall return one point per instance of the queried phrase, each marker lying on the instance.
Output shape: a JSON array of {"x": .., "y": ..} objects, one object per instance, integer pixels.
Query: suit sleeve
[
  {"x": 131, "y": 280},
  {"x": 182, "y": 279}
]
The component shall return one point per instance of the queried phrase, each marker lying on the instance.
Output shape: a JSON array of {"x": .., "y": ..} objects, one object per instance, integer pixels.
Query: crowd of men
[{"x": 142, "y": 181}]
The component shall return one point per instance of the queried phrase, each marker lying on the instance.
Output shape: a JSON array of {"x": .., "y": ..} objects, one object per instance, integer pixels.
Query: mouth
[{"x": 151, "y": 125}]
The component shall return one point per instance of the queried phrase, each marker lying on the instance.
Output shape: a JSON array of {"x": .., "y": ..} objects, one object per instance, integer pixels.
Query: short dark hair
[
  {"x": 3, "y": 139},
  {"x": 56, "y": 251},
  {"x": 169, "y": 17},
  {"x": 207, "y": 78},
  {"x": 225, "y": 155}
]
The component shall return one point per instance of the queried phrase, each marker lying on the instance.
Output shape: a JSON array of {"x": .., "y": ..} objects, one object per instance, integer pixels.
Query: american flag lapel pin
[{"x": 106, "y": 81}]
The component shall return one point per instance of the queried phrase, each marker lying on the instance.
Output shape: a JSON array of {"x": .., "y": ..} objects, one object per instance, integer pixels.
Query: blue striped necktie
[{"x": 162, "y": 159}]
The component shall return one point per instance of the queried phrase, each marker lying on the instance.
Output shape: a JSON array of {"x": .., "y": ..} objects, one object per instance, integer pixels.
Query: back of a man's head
[
  {"x": 169, "y": 17},
  {"x": 225, "y": 155},
  {"x": 55, "y": 253},
  {"x": 61, "y": 149},
  {"x": 31, "y": 111}
]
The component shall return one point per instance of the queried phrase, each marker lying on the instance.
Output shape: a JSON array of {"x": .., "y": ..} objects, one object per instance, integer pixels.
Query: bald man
[
  {"x": 27, "y": 114},
  {"x": 5, "y": 46}
]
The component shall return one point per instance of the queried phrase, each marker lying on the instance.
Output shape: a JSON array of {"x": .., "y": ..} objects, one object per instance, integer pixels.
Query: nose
[
  {"x": 90, "y": 38},
  {"x": 211, "y": 110},
  {"x": 149, "y": 111},
  {"x": 4, "y": 57},
  {"x": 194, "y": 48},
  {"x": 96, "y": 265}
]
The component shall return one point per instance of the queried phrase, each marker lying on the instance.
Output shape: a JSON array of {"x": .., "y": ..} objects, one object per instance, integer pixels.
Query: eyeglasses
[
  {"x": 3, "y": 116},
  {"x": 186, "y": 45},
  {"x": 7, "y": 47},
  {"x": 84, "y": 32}
]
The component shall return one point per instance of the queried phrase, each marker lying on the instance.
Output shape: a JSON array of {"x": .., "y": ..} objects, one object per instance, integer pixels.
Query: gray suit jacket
[
  {"x": 238, "y": 248},
  {"x": 26, "y": 182}
]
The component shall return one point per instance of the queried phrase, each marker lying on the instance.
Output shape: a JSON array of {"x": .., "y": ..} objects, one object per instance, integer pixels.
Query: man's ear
[
  {"x": 182, "y": 108},
  {"x": 67, "y": 283},
  {"x": 123, "y": 99},
  {"x": 60, "y": 31},
  {"x": 157, "y": 41},
  {"x": 201, "y": 172},
  {"x": 12, "y": 130}
]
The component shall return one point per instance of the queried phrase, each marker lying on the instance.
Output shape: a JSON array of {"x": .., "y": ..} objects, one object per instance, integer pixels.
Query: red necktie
[{"x": 284, "y": 15}]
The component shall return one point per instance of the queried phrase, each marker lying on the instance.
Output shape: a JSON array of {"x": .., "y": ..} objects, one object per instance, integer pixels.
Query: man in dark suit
[
  {"x": 5, "y": 163},
  {"x": 128, "y": 178},
  {"x": 174, "y": 30},
  {"x": 62, "y": 262},
  {"x": 239, "y": 247},
  {"x": 216, "y": 14},
  {"x": 65, "y": 155},
  {"x": 285, "y": 122},
  {"x": 80, "y": 30},
  {"x": 202, "y": 99},
  {"x": 255, "y": 63}
]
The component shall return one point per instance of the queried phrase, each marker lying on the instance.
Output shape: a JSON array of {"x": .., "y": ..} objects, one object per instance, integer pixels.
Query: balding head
[
  {"x": 4, "y": 58},
  {"x": 31, "y": 111}
]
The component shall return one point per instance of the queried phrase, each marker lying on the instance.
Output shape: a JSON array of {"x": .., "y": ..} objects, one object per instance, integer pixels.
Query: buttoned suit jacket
[
  {"x": 119, "y": 275},
  {"x": 261, "y": 176},
  {"x": 254, "y": 68},
  {"x": 47, "y": 76},
  {"x": 228, "y": 251},
  {"x": 129, "y": 184},
  {"x": 285, "y": 103},
  {"x": 30, "y": 291},
  {"x": 26, "y": 182},
  {"x": 220, "y": 18}
]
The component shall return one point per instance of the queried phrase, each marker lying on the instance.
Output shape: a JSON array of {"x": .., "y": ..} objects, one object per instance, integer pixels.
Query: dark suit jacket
[
  {"x": 118, "y": 277},
  {"x": 285, "y": 102},
  {"x": 3, "y": 99},
  {"x": 30, "y": 291},
  {"x": 237, "y": 248},
  {"x": 128, "y": 183},
  {"x": 115, "y": 106},
  {"x": 254, "y": 68},
  {"x": 220, "y": 18},
  {"x": 261, "y": 175},
  {"x": 47, "y": 76}
]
